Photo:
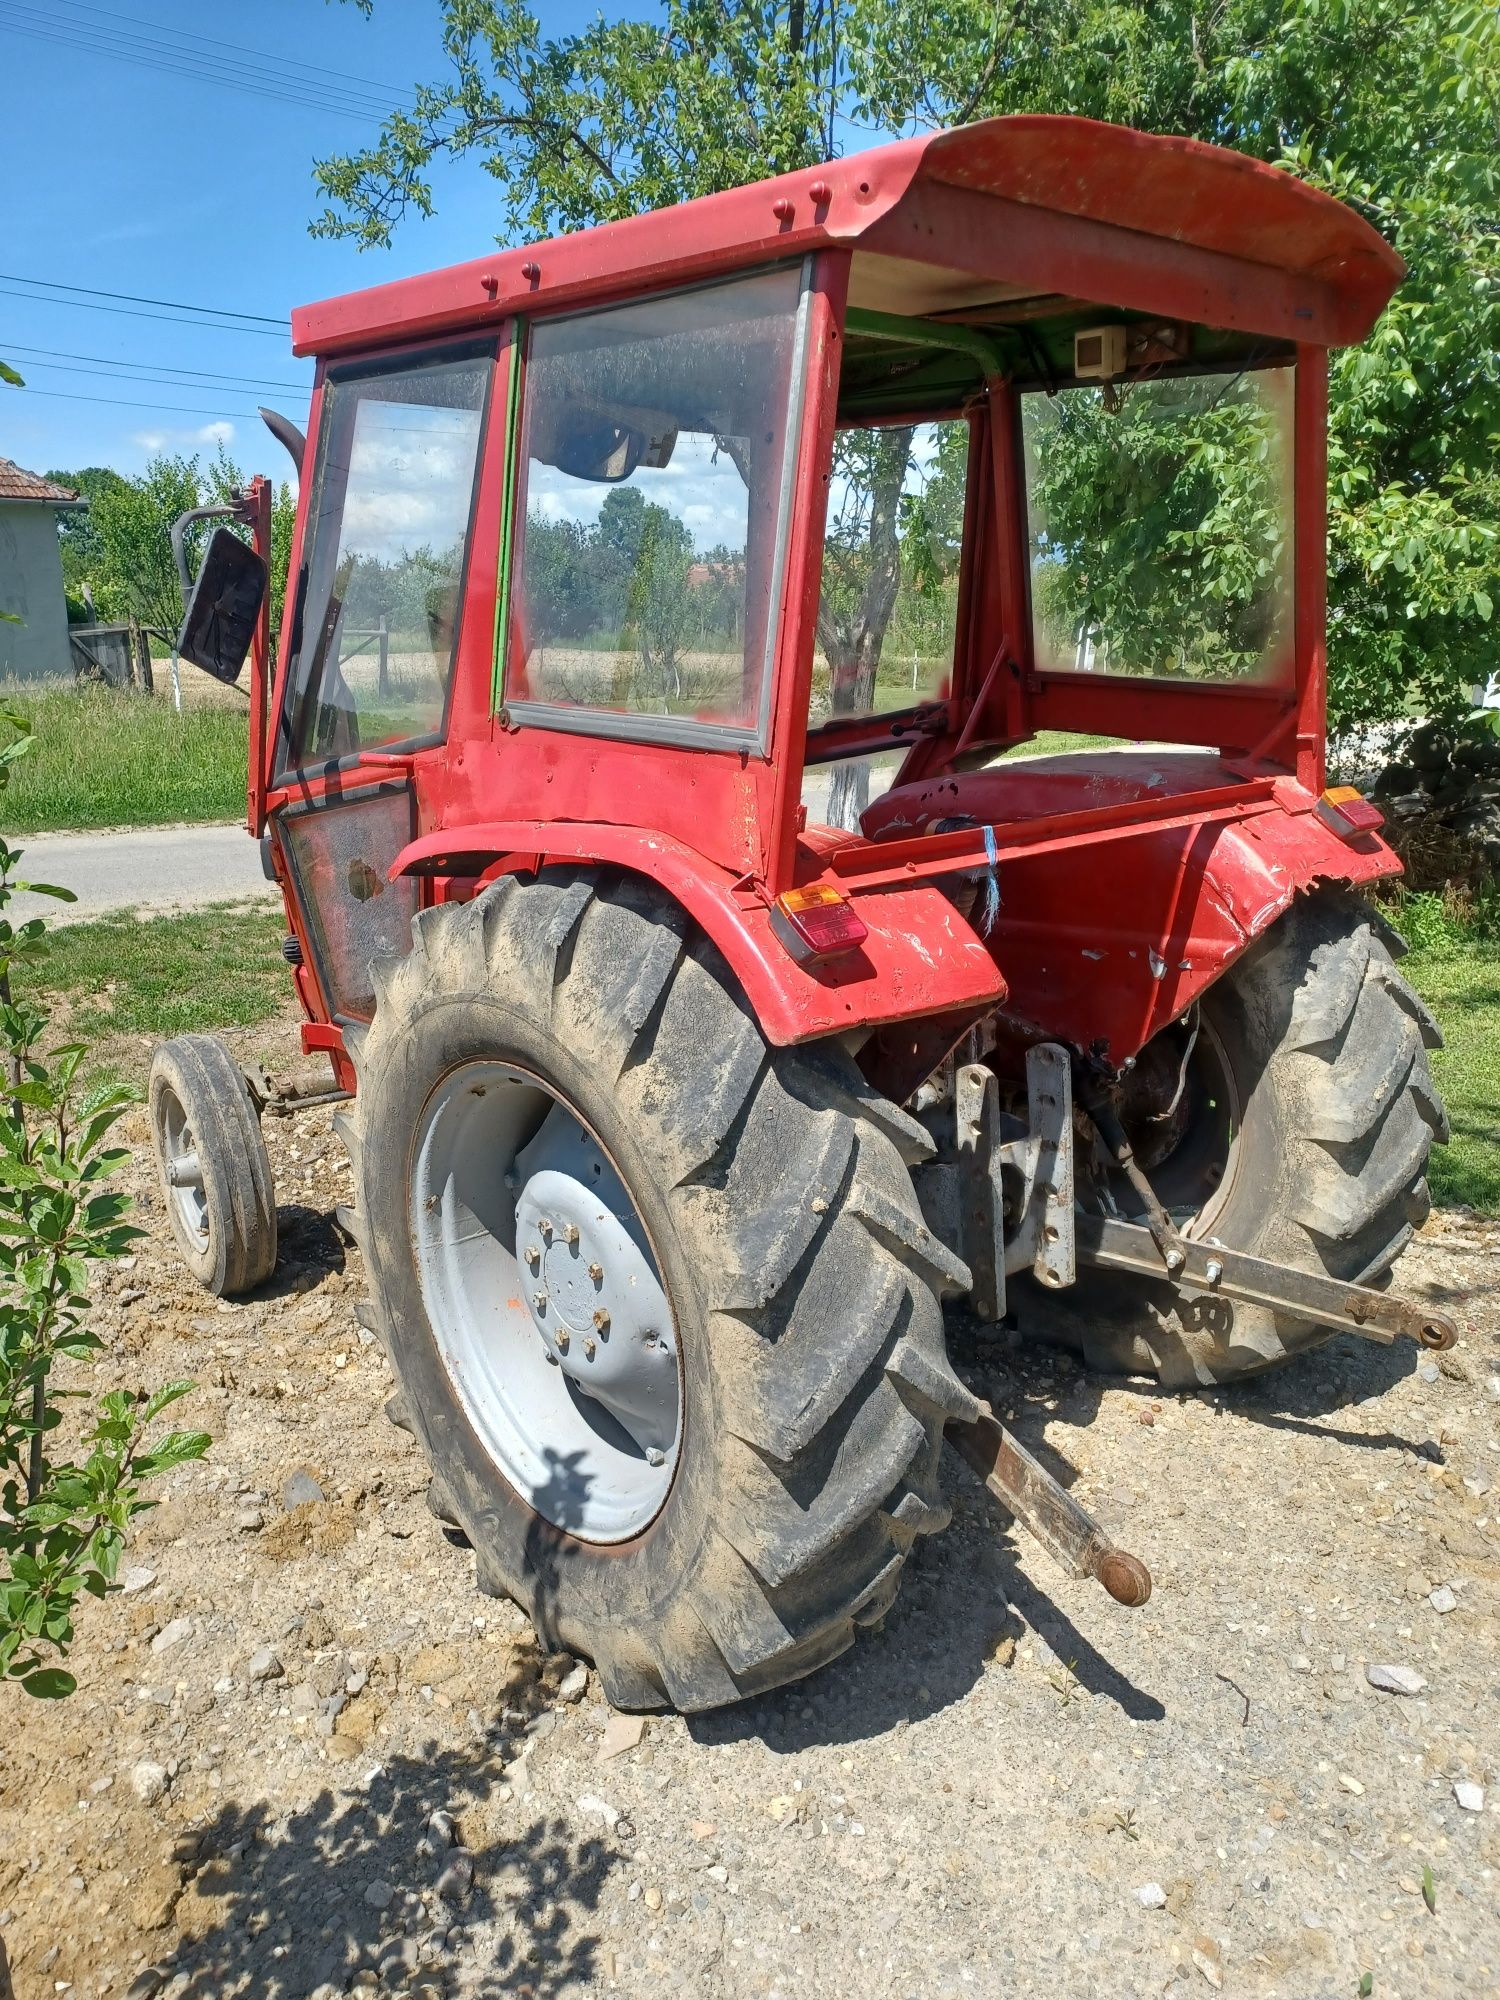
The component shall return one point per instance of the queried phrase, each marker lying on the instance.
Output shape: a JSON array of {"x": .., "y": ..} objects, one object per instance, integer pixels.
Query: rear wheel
[
  {"x": 660, "y": 1298},
  {"x": 1291, "y": 1119}
]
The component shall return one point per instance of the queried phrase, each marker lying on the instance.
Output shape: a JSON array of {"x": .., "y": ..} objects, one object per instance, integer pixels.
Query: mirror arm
[{"x": 237, "y": 509}]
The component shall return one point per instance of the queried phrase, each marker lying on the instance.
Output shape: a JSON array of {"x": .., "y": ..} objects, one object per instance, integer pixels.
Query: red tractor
[{"x": 714, "y": 992}]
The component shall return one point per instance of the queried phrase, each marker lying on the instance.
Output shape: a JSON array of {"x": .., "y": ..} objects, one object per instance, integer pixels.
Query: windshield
[
  {"x": 1160, "y": 517},
  {"x": 388, "y": 526}
]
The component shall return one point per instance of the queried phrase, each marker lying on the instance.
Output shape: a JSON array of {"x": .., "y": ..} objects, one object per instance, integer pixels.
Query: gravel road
[
  {"x": 151, "y": 868},
  {"x": 307, "y": 1759}
]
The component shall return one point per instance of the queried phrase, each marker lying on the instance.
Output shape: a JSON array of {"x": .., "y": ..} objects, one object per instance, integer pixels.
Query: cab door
[{"x": 368, "y": 685}]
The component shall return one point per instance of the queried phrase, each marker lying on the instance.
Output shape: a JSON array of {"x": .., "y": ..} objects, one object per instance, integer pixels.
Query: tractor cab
[{"x": 796, "y": 765}]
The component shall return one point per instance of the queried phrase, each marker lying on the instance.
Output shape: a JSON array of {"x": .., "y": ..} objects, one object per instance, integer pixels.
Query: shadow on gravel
[
  {"x": 309, "y": 1248},
  {"x": 277, "y": 1906}
]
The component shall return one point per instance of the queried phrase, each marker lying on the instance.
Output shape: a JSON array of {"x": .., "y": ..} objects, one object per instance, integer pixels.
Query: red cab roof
[{"x": 1012, "y": 208}]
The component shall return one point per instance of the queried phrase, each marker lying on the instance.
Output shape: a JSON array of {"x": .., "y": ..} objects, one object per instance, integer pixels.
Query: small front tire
[{"x": 212, "y": 1165}]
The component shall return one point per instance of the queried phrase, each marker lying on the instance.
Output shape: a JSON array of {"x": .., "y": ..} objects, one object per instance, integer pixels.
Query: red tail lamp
[
  {"x": 1344, "y": 810},
  {"x": 817, "y": 923}
]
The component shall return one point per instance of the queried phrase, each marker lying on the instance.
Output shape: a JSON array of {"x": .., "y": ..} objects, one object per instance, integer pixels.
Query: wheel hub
[
  {"x": 596, "y": 1304},
  {"x": 545, "y": 1302}
]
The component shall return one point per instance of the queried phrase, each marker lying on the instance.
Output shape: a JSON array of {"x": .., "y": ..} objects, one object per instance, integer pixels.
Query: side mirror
[{"x": 220, "y": 619}]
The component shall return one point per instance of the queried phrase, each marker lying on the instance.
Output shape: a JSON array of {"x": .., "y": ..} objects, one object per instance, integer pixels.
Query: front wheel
[
  {"x": 1291, "y": 1118},
  {"x": 662, "y": 1304}
]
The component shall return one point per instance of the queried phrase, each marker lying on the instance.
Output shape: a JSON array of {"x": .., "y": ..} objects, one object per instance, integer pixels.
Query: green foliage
[
  {"x": 1159, "y": 517},
  {"x": 1390, "y": 105},
  {"x": 121, "y": 546},
  {"x": 63, "y": 1516},
  {"x": 1394, "y": 108},
  {"x": 629, "y": 581}
]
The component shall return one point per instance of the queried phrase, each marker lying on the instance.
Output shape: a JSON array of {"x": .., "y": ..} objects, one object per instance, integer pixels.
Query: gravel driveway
[{"x": 308, "y": 1759}]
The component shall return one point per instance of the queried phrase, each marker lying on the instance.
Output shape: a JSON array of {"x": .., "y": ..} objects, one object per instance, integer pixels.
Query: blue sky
[{"x": 130, "y": 176}]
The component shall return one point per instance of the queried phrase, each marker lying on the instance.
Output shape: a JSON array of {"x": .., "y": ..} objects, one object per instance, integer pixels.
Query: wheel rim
[
  {"x": 183, "y": 1169},
  {"x": 546, "y": 1301},
  {"x": 1194, "y": 1180}
]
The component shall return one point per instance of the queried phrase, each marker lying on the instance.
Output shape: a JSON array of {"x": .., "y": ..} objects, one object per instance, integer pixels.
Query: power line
[
  {"x": 203, "y": 375},
  {"x": 122, "y": 403},
  {"x": 134, "y": 299},
  {"x": 308, "y": 93},
  {"x": 132, "y": 312},
  {"x": 215, "y": 384},
  {"x": 215, "y": 42}
]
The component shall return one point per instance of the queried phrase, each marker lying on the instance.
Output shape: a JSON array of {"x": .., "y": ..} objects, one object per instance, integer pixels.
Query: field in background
[{"x": 103, "y": 757}]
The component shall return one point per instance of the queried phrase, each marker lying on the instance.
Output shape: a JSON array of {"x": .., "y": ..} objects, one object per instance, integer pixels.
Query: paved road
[{"x": 146, "y": 868}]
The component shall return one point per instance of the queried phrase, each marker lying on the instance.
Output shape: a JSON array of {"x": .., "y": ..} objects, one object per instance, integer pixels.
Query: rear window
[
  {"x": 1160, "y": 516},
  {"x": 655, "y": 460}
]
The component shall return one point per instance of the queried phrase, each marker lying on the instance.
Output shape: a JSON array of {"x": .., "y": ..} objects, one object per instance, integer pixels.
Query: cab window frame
[
  {"x": 621, "y": 725},
  {"x": 287, "y": 771}
]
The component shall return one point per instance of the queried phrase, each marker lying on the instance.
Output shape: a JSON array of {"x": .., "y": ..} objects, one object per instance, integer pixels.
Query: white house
[{"x": 31, "y": 580}]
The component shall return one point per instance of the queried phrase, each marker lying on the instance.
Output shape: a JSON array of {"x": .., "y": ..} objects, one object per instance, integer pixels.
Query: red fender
[
  {"x": 1106, "y": 944},
  {"x": 920, "y": 956}
]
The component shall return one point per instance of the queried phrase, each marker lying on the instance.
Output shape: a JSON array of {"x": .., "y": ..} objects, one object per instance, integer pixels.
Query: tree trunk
[{"x": 852, "y": 642}]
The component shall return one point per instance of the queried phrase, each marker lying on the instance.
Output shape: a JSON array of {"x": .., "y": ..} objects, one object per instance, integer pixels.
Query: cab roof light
[
  {"x": 816, "y": 922},
  {"x": 1344, "y": 810}
]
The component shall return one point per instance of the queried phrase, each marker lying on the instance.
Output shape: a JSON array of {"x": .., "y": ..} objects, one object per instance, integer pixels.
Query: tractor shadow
[
  {"x": 276, "y": 1906},
  {"x": 310, "y": 1247}
]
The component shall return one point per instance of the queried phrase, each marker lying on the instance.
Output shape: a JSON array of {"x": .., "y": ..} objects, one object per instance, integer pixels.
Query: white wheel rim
[
  {"x": 183, "y": 1169},
  {"x": 546, "y": 1302}
]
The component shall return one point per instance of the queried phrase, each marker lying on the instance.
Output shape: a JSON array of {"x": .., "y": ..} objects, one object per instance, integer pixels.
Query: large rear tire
[
  {"x": 767, "y": 1190},
  {"x": 1323, "y": 1048}
]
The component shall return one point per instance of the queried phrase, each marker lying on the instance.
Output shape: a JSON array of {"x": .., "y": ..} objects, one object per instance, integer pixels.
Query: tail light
[
  {"x": 817, "y": 923},
  {"x": 1344, "y": 810}
]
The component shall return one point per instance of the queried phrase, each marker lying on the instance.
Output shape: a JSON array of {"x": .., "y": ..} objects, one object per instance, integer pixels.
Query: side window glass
[
  {"x": 1160, "y": 518},
  {"x": 655, "y": 450},
  {"x": 888, "y": 607},
  {"x": 388, "y": 530}
]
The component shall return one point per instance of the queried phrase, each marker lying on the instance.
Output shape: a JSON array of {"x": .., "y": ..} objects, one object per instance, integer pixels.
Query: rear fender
[
  {"x": 920, "y": 957},
  {"x": 1105, "y": 947}
]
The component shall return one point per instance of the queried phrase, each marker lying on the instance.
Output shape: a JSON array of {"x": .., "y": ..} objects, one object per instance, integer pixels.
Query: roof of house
[{"x": 16, "y": 483}]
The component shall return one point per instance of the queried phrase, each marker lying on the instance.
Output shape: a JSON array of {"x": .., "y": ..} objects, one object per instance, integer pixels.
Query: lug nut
[
  {"x": 533, "y": 1253},
  {"x": 546, "y": 1228},
  {"x": 596, "y": 1272},
  {"x": 570, "y": 1232},
  {"x": 590, "y": 1348},
  {"x": 655, "y": 1457},
  {"x": 562, "y": 1338},
  {"x": 539, "y": 1300},
  {"x": 601, "y": 1318}
]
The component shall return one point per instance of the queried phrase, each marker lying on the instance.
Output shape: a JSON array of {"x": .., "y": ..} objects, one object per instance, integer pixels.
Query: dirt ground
[{"x": 306, "y": 1757}]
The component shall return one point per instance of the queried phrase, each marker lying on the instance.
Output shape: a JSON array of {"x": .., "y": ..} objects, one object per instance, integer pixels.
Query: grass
[
  {"x": 105, "y": 758},
  {"x": 216, "y": 968},
  {"x": 1454, "y": 963}
]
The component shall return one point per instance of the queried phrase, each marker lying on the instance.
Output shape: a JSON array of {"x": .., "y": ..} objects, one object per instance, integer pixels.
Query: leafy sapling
[{"x": 64, "y": 1512}]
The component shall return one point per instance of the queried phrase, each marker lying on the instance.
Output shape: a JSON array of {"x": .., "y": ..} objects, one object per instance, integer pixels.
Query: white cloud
[{"x": 206, "y": 434}]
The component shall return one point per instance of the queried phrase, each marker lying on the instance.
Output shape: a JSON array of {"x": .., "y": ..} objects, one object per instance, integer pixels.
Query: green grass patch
[
  {"x": 1454, "y": 963},
  {"x": 103, "y": 757},
  {"x": 215, "y": 968}
]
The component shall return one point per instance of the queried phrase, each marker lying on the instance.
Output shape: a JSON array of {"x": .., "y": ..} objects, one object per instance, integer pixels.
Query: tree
[
  {"x": 1390, "y": 105},
  {"x": 121, "y": 545},
  {"x": 63, "y": 1519},
  {"x": 1395, "y": 108}
]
